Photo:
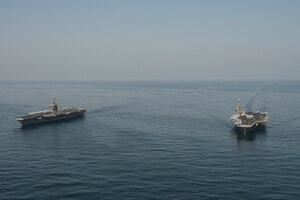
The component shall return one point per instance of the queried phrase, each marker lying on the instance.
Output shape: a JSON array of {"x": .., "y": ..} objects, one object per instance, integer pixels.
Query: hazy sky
[{"x": 149, "y": 40}]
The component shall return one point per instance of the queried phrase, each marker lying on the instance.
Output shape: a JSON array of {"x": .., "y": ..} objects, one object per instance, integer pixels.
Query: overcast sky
[{"x": 149, "y": 40}]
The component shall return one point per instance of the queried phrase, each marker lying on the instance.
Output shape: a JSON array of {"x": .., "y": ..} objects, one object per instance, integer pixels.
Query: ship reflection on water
[{"x": 249, "y": 135}]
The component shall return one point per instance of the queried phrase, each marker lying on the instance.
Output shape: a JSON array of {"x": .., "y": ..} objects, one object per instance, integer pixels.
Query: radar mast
[
  {"x": 53, "y": 105},
  {"x": 238, "y": 108}
]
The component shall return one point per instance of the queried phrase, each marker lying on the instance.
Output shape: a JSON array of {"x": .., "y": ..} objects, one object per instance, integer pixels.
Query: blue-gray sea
[{"x": 150, "y": 140}]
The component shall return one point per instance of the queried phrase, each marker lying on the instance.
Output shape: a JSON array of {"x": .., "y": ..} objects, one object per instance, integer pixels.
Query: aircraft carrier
[
  {"x": 50, "y": 115},
  {"x": 248, "y": 120}
]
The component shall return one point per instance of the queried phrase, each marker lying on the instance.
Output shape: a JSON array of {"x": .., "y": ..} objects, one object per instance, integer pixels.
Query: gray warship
[
  {"x": 52, "y": 114},
  {"x": 248, "y": 120}
]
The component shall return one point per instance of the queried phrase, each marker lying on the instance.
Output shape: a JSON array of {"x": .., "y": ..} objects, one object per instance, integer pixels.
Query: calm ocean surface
[{"x": 150, "y": 140}]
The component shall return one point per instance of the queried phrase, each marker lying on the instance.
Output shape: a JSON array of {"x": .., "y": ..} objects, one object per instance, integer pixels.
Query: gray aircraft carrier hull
[
  {"x": 248, "y": 121},
  {"x": 28, "y": 122},
  {"x": 54, "y": 114}
]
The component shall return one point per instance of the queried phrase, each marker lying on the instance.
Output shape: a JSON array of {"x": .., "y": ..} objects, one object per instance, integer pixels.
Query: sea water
[{"x": 150, "y": 140}]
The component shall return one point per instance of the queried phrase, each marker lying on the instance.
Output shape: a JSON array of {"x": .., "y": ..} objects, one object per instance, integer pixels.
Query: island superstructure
[
  {"x": 52, "y": 114},
  {"x": 248, "y": 120}
]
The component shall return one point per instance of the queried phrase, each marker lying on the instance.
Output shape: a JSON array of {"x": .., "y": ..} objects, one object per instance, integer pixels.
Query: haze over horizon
[{"x": 149, "y": 40}]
